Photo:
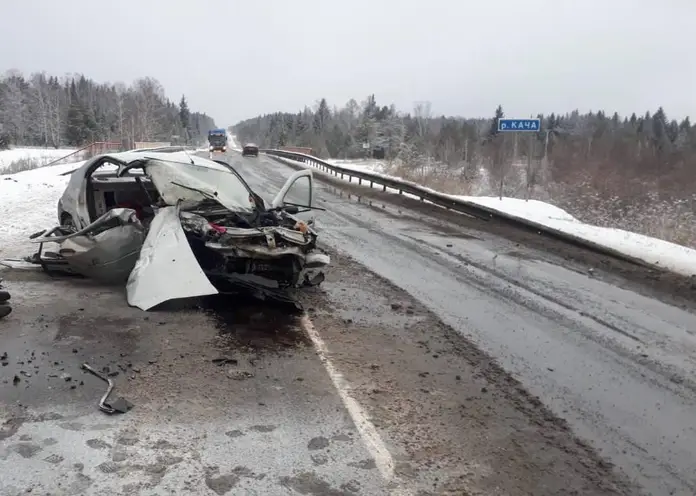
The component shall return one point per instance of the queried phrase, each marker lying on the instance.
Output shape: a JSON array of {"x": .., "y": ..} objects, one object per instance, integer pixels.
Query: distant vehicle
[
  {"x": 217, "y": 138},
  {"x": 250, "y": 149}
]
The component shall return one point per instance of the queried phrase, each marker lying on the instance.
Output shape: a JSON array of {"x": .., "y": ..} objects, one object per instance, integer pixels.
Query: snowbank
[
  {"x": 660, "y": 253},
  {"x": 37, "y": 156},
  {"x": 654, "y": 251},
  {"x": 370, "y": 166}
]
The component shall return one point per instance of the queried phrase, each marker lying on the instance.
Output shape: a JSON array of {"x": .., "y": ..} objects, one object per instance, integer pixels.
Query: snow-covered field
[
  {"x": 654, "y": 251},
  {"x": 28, "y": 203},
  {"x": 30, "y": 157}
]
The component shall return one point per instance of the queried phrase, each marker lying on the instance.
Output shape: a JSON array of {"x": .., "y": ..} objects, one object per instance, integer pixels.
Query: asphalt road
[
  {"x": 617, "y": 365},
  {"x": 386, "y": 385}
]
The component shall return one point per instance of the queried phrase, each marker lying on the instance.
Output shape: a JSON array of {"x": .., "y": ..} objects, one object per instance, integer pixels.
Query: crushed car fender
[
  {"x": 108, "y": 256},
  {"x": 167, "y": 268},
  {"x": 105, "y": 250}
]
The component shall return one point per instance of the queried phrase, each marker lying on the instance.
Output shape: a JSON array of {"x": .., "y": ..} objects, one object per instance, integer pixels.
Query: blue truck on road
[{"x": 217, "y": 138}]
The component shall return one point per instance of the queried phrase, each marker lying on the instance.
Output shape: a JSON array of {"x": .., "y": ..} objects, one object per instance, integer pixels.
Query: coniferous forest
[{"x": 51, "y": 111}]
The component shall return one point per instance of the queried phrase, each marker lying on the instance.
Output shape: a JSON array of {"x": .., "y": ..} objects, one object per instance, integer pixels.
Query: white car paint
[
  {"x": 166, "y": 269},
  {"x": 279, "y": 200},
  {"x": 74, "y": 199},
  {"x": 222, "y": 185}
]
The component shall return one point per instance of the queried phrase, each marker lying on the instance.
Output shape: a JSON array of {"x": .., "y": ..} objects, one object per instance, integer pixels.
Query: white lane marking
[{"x": 373, "y": 441}]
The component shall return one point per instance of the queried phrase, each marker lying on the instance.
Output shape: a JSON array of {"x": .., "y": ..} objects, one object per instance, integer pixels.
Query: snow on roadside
[
  {"x": 232, "y": 143},
  {"x": 371, "y": 166},
  {"x": 671, "y": 256},
  {"x": 28, "y": 204},
  {"x": 37, "y": 156},
  {"x": 677, "y": 258}
]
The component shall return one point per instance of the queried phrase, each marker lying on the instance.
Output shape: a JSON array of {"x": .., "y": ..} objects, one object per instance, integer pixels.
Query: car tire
[{"x": 5, "y": 310}]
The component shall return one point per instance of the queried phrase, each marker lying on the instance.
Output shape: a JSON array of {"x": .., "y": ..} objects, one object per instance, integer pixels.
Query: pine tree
[
  {"x": 75, "y": 132},
  {"x": 184, "y": 116},
  {"x": 499, "y": 114}
]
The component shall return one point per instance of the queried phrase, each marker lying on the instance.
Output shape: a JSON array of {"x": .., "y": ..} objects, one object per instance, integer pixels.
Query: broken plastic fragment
[
  {"x": 217, "y": 228},
  {"x": 302, "y": 227}
]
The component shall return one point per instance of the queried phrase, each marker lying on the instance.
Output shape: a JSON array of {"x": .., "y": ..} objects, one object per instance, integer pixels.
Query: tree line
[
  {"x": 601, "y": 166},
  {"x": 45, "y": 110}
]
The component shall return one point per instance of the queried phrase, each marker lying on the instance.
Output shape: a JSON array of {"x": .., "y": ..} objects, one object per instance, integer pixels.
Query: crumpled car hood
[{"x": 219, "y": 183}]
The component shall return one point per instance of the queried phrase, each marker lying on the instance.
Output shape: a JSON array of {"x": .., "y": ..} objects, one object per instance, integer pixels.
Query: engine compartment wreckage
[{"x": 172, "y": 226}]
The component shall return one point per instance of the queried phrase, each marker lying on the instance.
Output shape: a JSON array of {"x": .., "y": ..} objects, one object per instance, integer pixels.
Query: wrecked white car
[{"x": 177, "y": 226}]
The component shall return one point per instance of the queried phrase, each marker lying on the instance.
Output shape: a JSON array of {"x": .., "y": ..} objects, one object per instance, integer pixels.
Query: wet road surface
[
  {"x": 375, "y": 390},
  {"x": 225, "y": 402},
  {"x": 619, "y": 366}
]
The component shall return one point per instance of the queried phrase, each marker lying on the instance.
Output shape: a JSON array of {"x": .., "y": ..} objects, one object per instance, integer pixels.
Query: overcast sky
[{"x": 234, "y": 60}]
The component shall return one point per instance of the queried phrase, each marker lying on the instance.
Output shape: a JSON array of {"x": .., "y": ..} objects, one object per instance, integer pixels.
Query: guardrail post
[
  {"x": 401, "y": 192},
  {"x": 371, "y": 183},
  {"x": 384, "y": 188},
  {"x": 360, "y": 180}
]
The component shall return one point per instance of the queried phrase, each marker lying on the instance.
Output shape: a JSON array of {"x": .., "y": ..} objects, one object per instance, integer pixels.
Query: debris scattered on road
[
  {"x": 225, "y": 361},
  {"x": 239, "y": 375},
  {"x": 120, "y": 405}
]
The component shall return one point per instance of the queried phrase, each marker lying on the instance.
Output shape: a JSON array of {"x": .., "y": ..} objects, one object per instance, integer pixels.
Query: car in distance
[{"x": 250, "y": 149}]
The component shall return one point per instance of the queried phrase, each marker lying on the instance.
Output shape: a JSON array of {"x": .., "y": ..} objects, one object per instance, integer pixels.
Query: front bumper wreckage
[{"x": 183, "y": 255}]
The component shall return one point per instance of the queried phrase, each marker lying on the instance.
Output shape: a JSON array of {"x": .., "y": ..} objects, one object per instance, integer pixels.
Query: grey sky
[{"x": 235, "y": 59}]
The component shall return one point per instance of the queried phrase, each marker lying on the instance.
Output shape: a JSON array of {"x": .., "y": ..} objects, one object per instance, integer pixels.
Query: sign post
[{"x": 521, "y": 126}]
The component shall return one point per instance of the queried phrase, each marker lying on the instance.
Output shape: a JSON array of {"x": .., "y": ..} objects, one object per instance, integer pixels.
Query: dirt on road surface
[
  {"x": 367, "y": 393},
  {"x": 607, "y": 345}
]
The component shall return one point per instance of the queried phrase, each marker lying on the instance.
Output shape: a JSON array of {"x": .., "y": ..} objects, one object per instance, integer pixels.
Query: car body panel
[
  {"x": 166, "y": 269},
  {"x": 228, "y": 190},
  {"x": 287, "y": 189},
  {"x": 105, "y": 250}
]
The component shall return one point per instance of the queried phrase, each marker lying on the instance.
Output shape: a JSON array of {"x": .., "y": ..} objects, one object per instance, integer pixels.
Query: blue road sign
[{"x": 528, "y": 125}]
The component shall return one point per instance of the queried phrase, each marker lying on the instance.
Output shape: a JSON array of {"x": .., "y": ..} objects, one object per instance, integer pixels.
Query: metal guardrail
[
  {"x": 166, "y": 149},
  {"x": 90, "y": 147},
  {"x": 442, "y": 200}
]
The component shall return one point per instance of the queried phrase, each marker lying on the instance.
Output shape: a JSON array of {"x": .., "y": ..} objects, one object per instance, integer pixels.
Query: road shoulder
[{"x": 455, "y": 422}]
